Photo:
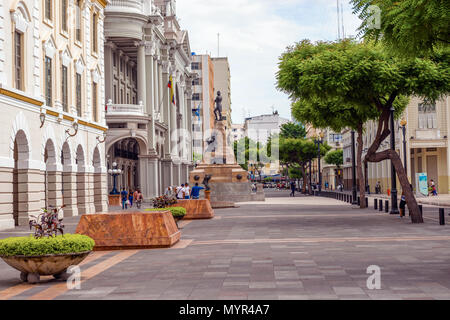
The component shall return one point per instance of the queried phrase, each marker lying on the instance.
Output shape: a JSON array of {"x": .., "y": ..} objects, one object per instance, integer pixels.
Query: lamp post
[
  {"x": 310, "y": 178},
  {"x": 403, "y": 126},
  {"x": 354, "y": 195},
  {"x": 394, "y": 206},
  {"x": 318, "y": 141},
  {"x": 114, "y": 172}
]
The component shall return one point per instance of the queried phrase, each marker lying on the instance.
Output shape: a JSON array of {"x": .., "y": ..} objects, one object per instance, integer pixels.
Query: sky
[{"x": 253, "y": 35}]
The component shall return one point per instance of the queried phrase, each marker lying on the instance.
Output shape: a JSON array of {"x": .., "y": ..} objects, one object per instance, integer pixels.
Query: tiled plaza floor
[{"x": 284, "y": 248}]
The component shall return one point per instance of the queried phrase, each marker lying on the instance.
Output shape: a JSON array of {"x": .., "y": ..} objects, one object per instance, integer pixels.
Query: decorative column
[
  {"x": 90, "y": 189},
  {"x": 54, "y": 185},
  {"x": 168, "y": 110},
  {"x": 82, "y": 181},
  {"x": 100, "y": 190},
  {"x": 69, "y": 182}
]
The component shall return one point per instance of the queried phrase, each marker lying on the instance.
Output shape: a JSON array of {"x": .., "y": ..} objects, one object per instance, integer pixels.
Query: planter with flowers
[{"x": 45, "y": 253}]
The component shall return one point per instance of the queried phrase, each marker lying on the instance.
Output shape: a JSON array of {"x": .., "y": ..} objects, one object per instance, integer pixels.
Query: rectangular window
[
  {"x": 196, "y": 96},
  {"x": 94, "y": 32},
  {"x": 78, "y": 21},
  {"x": 48, "y": 9},
  {"x": 114, "y": 59},
  {"x": 121, "y": 96},
  {"x": 94, "y": 102},
  {"x": 18, "y": 61},
  {"x": 64, "y": 15},
  {"x": 427, "y": 116},
  {"x": 195, "y": 66},
  {"x": 48, "y": 81},
  {"x": 115, "y": 94},
  {"x": 196, "y": 82},
  {"x": 65, "y": 89},
  {"x": 78, "y": 94}
]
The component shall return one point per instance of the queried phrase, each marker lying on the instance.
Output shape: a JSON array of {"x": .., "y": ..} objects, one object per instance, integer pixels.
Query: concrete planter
[{"x": 32, "y": 267}]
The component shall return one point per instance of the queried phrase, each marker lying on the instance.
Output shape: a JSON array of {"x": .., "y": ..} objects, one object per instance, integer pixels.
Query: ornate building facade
[
  {"x": 51, "y": 92},
  {"x": 150, "y": 124}
]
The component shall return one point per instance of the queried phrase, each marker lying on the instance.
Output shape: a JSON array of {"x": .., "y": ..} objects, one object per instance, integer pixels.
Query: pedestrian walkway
[{"x": 286, "y": 248}]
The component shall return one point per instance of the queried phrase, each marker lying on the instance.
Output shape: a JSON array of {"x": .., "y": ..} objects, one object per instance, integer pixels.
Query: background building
[
  {"x": 51, "y": 93},
  {"x": 203, "y": 96},
  {"x": 149, "y": 130},
  {"x": 222, "y": 83}
]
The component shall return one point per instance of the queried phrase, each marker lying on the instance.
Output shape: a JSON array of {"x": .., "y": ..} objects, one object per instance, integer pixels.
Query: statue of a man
[{"x": 218, "y": 108}]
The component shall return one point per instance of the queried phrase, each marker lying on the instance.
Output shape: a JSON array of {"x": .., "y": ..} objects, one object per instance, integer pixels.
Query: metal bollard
[
  {"x": 441, "y": 216},
  {"x": 359, "y": 201},
  {"x": 386, "y": 206},
  {"x": 367, "y": 202},
  {"x": 375, "y": 204},
  {"x": 380, "y": 205},
  {"x": 421, "y": 210}
]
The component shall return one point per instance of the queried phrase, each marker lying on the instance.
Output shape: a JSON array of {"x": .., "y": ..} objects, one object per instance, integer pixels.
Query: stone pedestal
[
  {"x": 114, "y": 200},
  {"x": 130, "y": 230},
  {"x": 196, "y": 209}
]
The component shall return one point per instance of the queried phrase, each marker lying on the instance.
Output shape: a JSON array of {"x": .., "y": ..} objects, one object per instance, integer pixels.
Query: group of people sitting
[
  {"x": 130, "y": 197},
  {"x": 184, "y": 191}
]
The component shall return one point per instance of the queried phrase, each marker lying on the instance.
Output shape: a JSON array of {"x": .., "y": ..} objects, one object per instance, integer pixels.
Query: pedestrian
[
  {"x": 187, "y": 191},
  {"x": 433, "y": 188},
  {"x": 130, "y": 198},
  {"x": 378, "y": 188},
  {"x": 326, "y": 185},
  {"x": 402, "y": 205},
  {"x": 135, "y": 195},
  {"x": 292, "y": 189},
  {"x": 180, "y": 192},
  {"x": 168, "y": 191},
  {"x": 195, "y": 193},
  {"x": 124, "y": 195},
  {"x": 139, "y": 199}
]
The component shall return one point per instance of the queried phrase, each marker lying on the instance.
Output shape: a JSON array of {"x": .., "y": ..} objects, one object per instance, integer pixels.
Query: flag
[
  {"x": 170, "y": 86},
  {"x": 197, "y": 112}
]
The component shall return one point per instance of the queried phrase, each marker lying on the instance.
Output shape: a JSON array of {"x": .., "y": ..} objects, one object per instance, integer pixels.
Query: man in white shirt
[
  {"x": 187, "y": 191},
  {"x": 180, "y": 192}
]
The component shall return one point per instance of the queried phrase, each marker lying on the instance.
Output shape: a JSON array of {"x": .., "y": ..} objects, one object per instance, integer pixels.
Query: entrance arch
[
  {"x": 20, "y": 178},
  {"x": 82, "y": 181}
]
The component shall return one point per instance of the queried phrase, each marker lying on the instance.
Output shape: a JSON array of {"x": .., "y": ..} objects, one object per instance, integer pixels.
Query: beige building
[
  {"x": 51, "y": 93},
  {"x": 427, "y": 130},
  {"x": 149, "y": 133},
  {"x": 222, "y": 83},
  {"x": 202, "y": 101}
]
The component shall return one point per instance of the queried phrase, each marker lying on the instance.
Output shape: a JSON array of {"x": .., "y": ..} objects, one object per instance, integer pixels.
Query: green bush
[
  {"x": 30, "y": 246},
  {"x": 177, "y": 212}
]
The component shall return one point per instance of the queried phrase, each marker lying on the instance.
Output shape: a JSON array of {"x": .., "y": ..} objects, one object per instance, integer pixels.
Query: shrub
[
  {"x": 163, "y": 201},
  {"x": 177, "y": 212},
  {"x": 30, "y": 246}
]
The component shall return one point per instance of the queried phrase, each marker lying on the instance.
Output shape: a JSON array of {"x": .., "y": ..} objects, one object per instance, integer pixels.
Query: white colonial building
[
  {"x": 149, "y": 134},
  {"x": 52, "y": 126}
]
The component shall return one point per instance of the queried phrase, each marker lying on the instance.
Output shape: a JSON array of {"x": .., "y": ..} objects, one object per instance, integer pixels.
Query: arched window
[{"x": 20, "y": 19}]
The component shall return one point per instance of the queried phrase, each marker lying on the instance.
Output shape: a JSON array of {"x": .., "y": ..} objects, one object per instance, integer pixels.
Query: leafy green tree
[
  {"x": 292, "y": 130},
  {"x": 345, "y": 84},
  {"x": 251, "y": 155},
  {"x": 298, "y": 153},
  {"x": 409, "y": 27},
  {"x": 335, "y": 157}
]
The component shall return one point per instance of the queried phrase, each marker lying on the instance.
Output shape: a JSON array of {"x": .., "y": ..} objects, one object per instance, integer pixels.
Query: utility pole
[{"x": 218, "y": 45}]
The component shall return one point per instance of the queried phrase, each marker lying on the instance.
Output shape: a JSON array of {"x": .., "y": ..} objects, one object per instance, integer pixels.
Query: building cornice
[{"x": 20, "y": 96}]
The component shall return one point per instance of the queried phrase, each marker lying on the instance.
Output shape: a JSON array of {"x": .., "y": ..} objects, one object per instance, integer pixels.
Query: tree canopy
[
  {"x": 409, "y": 27},
  {"x": 335, "y": 157},
  {"x": 292, "y": 130},
  {"x": 345, "y": 84}
]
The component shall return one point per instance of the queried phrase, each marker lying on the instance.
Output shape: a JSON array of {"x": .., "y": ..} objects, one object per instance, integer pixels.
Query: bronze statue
[
  {"x": 218, "y": 108},
  {"x": 206, "y": 182}
]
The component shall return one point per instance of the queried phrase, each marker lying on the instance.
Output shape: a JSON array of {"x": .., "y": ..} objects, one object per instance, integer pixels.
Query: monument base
[
  {"x": 131, "y": 230},
  {"x": 196, "y": 209}
]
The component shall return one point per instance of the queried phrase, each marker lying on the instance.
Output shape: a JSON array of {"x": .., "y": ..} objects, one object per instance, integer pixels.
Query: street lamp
[
  {"x": 403, "y": 126},
  {"x": 394, "y": 205},
  {"x": 318, "y": 141},
  {"x": 310, "y": 178},
  {"x": 354, "y": 195},
  {"x": 114, "y": 172}
]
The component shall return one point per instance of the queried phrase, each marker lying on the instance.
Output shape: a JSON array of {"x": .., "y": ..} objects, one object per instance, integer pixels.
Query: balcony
[
  {"x": 124, "y": 109},
  {"x": 131, "y": 6}
]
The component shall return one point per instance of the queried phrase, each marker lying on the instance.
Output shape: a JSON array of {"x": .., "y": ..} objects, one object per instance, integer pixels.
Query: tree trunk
[
  {"x": 359, "y": 169},
  {"x": 304, "y": 179},
  {"x": 404, "y": 182}
]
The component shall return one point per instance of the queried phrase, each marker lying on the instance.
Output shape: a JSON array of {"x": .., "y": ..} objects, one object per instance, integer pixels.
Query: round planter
[{"x": 32, "y": 267}]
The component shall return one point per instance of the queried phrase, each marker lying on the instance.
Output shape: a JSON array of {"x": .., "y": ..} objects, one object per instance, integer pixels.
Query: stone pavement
[{"x": 285, "y": 248}]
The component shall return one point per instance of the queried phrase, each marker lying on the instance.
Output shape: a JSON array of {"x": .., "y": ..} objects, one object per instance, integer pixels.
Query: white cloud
[{"x": 253, "y": 34}]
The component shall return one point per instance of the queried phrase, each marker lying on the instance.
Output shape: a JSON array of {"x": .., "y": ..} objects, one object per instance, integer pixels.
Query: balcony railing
[
  {"x": 134, "y": 6},
  {"x": 124, "y": 109}
]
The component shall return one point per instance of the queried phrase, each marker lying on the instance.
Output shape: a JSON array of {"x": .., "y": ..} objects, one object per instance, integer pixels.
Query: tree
[
  {"x": 298, "y": 152},
  {"x": 409, "y": 27},
  {"x": 345, "y": 84},
  {"x": 254, "y": 155},
  {"x": 335, "y": 157},
  {"x": 292, "y": 130}
]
